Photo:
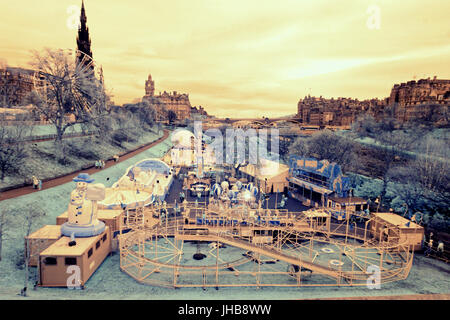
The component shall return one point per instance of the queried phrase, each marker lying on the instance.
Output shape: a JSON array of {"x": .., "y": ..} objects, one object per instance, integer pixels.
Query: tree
[
  {"x": 5, "y": 223},
  {"x": 69, "y": 88},
  {"x": 13, "y": 151},
  {"x": 31, "y": 217},
  {"x": 365, "y": 126},
  {"x": 143, "y": 112},
  {"x": 392, "y": 146},
  {"x": 427, "y": 177},
  {"x": 327, "y": 145},
  {"x": 284, "y": 148},
  {"x": 100, "y": 121},
  {"x": 432, "y": 166},
  {"x": 407, "y": 188},
  {"x": 172, "y": 116}
]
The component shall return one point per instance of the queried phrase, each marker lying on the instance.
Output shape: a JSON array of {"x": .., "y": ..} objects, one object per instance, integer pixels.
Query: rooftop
[
  {"x": 47, "y": 232},
  {"x": 268, "y": 170},
  {"x": 396, "y": 220},
  {"x": 347, "y": 200},
  {"x": 102, "y": 214},
  {"x": 61, "y": 247}
]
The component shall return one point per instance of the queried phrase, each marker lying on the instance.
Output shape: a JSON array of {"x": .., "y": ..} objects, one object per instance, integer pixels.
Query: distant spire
[
  {"x": 83, "y": 39},
  {"x": 83, "y": 17}
]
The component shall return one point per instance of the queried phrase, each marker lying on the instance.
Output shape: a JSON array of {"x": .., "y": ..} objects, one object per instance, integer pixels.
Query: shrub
[
  {"x": 18, "y": 258},
  {"x": 82, "y": 150}
]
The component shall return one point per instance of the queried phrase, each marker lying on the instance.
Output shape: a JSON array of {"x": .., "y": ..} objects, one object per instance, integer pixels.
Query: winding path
[{"x": 50, "y": 183}]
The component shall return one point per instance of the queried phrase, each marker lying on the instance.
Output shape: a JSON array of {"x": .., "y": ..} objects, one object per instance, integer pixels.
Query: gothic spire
[{"x": 83, "y": 39}]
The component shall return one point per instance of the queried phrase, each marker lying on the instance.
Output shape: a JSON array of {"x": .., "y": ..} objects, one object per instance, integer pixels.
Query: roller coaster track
[
  {"x": 275, "y": 254},
  {"x": 393, "y": 258}
]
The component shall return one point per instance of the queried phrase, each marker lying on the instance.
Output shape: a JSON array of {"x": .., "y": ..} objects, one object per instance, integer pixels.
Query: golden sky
[{"x": 242, "y": 58}]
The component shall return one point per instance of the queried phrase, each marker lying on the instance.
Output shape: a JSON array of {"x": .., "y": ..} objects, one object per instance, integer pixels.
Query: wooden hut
[
  {"x": 88, "y": 254},
  {"x": 385, "y": 224},
  {"x": 40, "y": 240}
]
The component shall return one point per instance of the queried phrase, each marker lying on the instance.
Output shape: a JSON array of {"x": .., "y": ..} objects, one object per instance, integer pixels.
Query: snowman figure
[{"x": 82, "y": 209}]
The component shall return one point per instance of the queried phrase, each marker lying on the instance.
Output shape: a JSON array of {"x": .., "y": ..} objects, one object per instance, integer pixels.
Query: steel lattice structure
[{"x": 256, "y": 247}]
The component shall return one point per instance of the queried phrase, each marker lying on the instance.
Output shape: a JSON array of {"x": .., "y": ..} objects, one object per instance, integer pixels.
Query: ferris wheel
[{"x": 74, "y": 73}]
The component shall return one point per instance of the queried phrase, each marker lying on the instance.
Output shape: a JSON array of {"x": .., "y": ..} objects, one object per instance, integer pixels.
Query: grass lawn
[{"x": 81, "y": 152}]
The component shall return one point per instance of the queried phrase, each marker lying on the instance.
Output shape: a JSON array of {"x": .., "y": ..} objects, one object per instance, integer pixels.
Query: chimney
[{"x": 72, "y": 241}]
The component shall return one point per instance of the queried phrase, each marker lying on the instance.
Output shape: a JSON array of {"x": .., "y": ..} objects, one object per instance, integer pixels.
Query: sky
[{"x": 242, "y": 58}]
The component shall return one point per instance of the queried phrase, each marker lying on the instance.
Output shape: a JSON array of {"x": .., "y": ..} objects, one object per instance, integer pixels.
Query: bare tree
[
  {"x": 365, "y": 126},
  {"x": 392, "y": 146},
  {"x": 432, "y": 165},
  {"x": 32, "y": 216},
  {"x": 408, "y": 187},
  {"x": 5, "y": 224},
  {"x": 68, "y": 88},
  {"x": 423, "y": 185},
  {"x": 13, "y": 151},
  {"x": 100, "y": 120},
  {"x": 102, "y": 124}
]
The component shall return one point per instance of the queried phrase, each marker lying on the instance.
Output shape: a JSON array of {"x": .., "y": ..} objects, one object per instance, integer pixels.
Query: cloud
[{"x": 253, "y": 57}]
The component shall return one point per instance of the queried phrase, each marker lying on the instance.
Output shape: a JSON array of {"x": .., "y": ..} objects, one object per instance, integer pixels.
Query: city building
[
  {"x": 177, "y": 102},
  {"x": 413, "y": 100},
  {"x": 337, "y": 112},
  {"x": 15, "y": 85}
]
